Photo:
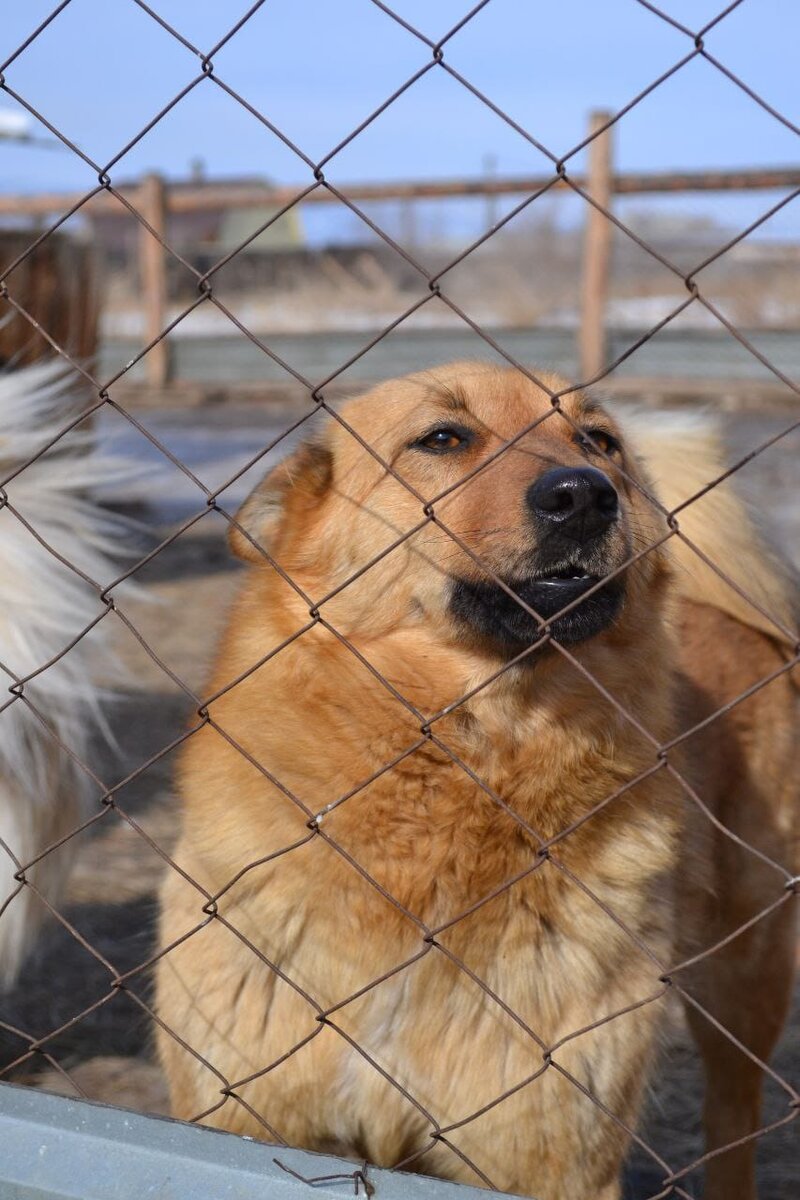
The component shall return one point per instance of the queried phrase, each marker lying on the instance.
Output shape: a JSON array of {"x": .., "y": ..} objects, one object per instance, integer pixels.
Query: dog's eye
[
  {"x": 444, "y": 438},
  {"x": 598, "y": 439}
]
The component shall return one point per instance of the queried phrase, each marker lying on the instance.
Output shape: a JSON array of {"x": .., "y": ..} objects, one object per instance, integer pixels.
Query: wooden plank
[
  {"x": 746, "y": 180},
  {"x": 56, "y": 284},
  {"x": 153, "y": 277},
  {"x": 224, "y": 195},
  {"x": 596, "y": 250}
]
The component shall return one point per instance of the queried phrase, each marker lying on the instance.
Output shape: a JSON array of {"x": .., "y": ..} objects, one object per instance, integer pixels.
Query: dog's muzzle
[{"x": 573, "y": 509}]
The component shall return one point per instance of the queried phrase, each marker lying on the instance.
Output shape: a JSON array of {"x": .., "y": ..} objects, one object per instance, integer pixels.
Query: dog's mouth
[
  {"x": 489, "y": 611},
  {"x": 569, "y": 576}
]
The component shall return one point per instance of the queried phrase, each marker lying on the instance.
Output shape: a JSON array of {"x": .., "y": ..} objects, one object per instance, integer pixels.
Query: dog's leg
[
  {"x": 746, "y": 764},
  {"x": 746, "y": 986},
  {"x": 612, "y": 1192}
]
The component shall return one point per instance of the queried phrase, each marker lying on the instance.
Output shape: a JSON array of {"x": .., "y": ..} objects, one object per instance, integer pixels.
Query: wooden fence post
[
  {"x": 151, "y": 203},
  {"x": 596, "y": 250}
]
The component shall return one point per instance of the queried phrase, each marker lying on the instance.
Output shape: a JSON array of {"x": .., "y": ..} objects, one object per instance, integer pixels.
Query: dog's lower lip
[{"x": 576, "y": 606}]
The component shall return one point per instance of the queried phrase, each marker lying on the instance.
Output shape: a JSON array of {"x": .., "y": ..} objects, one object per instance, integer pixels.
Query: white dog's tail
[
  {"x": 683, "y": 454},
  {"x": 48, "y": 519}
]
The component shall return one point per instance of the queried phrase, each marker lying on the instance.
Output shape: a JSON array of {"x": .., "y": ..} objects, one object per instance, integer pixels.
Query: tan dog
[{"x": 474, "y": 1032}]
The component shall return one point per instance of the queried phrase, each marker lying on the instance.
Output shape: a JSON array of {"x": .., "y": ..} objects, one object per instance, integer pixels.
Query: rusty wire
[{"x": 544, "y": 856}]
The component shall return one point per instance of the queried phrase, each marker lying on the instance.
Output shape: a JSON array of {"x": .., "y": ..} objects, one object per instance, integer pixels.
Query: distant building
[
  {"x": 277, "y": 259},
  {"x": 202, "y": 236}
]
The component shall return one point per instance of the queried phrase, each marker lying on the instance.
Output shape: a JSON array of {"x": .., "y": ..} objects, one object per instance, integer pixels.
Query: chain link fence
[{"x": 440, "y": 1146}]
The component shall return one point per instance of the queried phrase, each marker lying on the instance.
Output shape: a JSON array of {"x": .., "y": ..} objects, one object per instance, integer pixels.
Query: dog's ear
[{"x": 300, "y": 480}]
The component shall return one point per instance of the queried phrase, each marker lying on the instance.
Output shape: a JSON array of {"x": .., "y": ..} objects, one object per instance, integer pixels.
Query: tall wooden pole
[
  {"x": 151, "y": 203},
  {"x": 596, "y": 250}
]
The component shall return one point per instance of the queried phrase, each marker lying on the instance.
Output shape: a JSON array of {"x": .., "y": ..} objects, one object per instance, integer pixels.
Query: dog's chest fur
[
  {"x": 421, "y": 927},
  {"x": 470, "y": 925}
]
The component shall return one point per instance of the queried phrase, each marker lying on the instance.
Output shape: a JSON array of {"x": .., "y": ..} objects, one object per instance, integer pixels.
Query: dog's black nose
[{"x": 582, "y": 502}]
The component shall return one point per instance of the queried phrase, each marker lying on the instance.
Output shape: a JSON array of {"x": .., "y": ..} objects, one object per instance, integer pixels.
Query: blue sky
[{"x": 317, "y": 68}]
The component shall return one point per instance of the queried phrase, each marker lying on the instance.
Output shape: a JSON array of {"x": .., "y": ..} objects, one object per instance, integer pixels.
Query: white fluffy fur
[
  {"x": 43, "y": 606},
  {"x": 683, "y": 453}
]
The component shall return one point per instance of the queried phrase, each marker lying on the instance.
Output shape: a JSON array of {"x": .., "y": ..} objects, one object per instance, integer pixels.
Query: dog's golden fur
[{"x": 316, "y": 721}]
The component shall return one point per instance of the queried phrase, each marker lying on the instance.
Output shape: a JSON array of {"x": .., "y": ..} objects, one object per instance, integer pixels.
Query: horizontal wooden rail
[{"x": 200, "y": 197}]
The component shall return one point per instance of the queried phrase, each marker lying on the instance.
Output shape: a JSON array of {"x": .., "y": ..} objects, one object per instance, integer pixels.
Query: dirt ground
[{"x": 184, "y": 593}]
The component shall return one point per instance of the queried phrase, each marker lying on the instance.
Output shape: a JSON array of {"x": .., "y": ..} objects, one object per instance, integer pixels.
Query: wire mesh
[{"x": 428, "y": 728}]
